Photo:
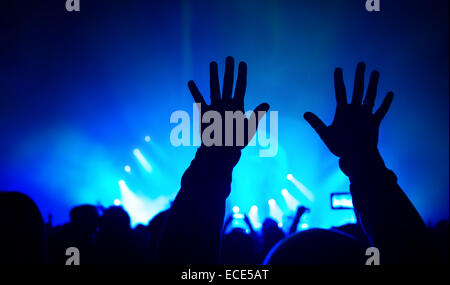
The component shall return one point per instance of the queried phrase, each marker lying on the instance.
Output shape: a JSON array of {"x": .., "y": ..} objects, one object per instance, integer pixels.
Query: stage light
[
  {"x": 291, "y": 202},
  {"x": 142, "y": 160},
  {"x": 127, "y": 168},
  {"x": 147, "y": 138},
  {"x": 116, "y": 202},
  {"x": 275, "y": 211},
  {"x": 238, "y": 216},
  {"x": 280, "y": 224},
  {"x": 236, "y": 209},
  {"x": 305, "y": 191},
  {"x": 304, "y": 226},
  {"x": 254, "y": 217}
]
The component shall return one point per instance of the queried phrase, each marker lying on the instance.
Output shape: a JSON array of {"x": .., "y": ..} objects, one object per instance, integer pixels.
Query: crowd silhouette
[{"x": 184, "y": 234}]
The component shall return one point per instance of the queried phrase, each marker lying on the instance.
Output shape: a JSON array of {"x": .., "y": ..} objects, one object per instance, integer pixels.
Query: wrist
[{"x": 363, "y": 165}]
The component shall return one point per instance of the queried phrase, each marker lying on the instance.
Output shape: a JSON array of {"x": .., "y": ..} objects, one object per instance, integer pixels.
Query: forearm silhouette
[
  {"x": 192, "y": 232},
  {"x": 298, "y": 215},
  {"x": 390, "y": 220}
]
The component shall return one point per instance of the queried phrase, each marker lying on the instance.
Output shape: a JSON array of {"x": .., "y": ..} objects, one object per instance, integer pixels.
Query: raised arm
[
  {"x": 298, "y": 215},
  {"x": 194, "y": 224},
  {"x": 392, "y": 223}
]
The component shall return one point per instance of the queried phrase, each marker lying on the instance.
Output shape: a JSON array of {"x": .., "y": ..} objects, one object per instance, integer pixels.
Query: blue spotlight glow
[
  {"x": 254, "y": 217},
  {"x": 142, "y": 160},
  {"x": 235, "y": 209},
  {"x": 127, "y": 168},
  {"x": 141, "y": 209},
  {"x": 291, "y": 202},
  {"x": 304, "y": 226},
  {"x": 305, "y": 191},
  {"x": 275, "y": 211},
  {"x": 116, "y": 202},
  {"x": 147, "y": 138}
]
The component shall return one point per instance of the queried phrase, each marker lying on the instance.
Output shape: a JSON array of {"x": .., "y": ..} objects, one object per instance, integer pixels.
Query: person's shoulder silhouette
[{"x": 23, "y": 232}]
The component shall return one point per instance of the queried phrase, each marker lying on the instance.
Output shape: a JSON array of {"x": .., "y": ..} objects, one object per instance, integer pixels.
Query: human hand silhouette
[
  {"x": 301, "y": 210},
  {"x": 354, "y": 130},
  {"x": 226, "y": 102}
]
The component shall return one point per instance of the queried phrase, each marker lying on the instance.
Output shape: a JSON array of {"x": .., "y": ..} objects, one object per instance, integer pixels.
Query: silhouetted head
[
  {"x": 22, "y": 238},
  {"x": 238, "y": 248},
  {"x": 84, "y": 218},
  {"x": 318, "y": 246},
  {"x": 114, "y": 222},
  {"x": 271, "y": 234}
]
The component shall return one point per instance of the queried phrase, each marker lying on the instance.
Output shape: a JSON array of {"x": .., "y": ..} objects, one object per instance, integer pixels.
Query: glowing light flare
[
  {"x": 305, "y": 191},
  {"x": 291, "y": 202},
  {"x": 254, "y": 217},
  {"x": 142, "y": 160},
  {"x": 275, "y": 211}
]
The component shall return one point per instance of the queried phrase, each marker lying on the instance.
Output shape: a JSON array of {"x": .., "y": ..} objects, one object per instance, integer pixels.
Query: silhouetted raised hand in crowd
[
  {"x": 193, "y": 227},
  {"x": 390, "y": 220},
  {"x": 298, "y": 215}
]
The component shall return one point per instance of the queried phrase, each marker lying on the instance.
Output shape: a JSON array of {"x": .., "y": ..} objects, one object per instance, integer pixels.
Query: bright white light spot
[
  {"x": 147, "y": 138},
  {"x": 304, "y": 226},
  {"x": 284, "y": 192},
  {"x": 280, "y": 225},
  {"x": 122, "y": 183},
  {"x": 236, "y": 209},
  {"x": 289, "y": 176},
  {"x": 272, "y": 202},
  {"x": 238, "y": 216},
  {"x": 117, "y": 202},
  {"x": 127, "y": 168},
  {"x": 254, "y": 208}
]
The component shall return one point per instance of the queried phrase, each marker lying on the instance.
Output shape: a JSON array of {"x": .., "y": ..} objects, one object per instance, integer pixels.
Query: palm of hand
[
  {"x": 226, "y": 102},
  {"x": 354, "y": 129}
]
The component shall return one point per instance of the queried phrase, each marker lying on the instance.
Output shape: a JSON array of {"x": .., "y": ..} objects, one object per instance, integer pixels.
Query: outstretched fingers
[
  {"x": 369, "y": 100},
  {"x": 381, "y": 112},
  {"x": 358, "y": 88},
  {"x": 198, "y": 98},
  {"x": 228, "y": 79},
  {"x": 339, "y": 87},
  {"x": 316, "y": 124},
  {"x": 214, "y": 83},
  {"x": 264, "y": 107}
]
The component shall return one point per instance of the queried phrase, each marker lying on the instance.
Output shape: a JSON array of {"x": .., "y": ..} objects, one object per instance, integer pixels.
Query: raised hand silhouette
[
  {"x": 227, "y": 102},
  {"x": 194, "y": 225},
  {"x": 354, "y": 130},
  {"x": 353, "y": 137},
  {"x": 301, "y": 210}
]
